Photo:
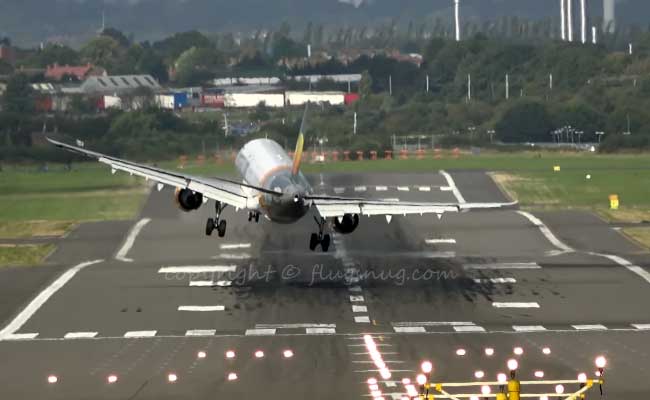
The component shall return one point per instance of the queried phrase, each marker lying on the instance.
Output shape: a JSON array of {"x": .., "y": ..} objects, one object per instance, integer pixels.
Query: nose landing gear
[
  {"x": 216, "y": 223},
  {"x": 254, "y": 215},
  {"x": 319, "y": 238}
]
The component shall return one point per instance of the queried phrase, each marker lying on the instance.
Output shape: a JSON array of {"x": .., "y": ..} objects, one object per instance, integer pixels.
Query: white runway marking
[
  {"x": 339, "y": 190},
  {"x": 130, "y": 240},
  {"x": 223, "y": 283},
  {"x": 260, "y": 332},
  {"x": 452, "y": 185},
  {"x": 80, "y": 335},
  {"x": 140, "y": 334},
  {"x": 359, "y": 309},
  {"x": 440, "y": 241},
  {"x": 354, "y": 288},
  {"x": 197, "y": 269},
  {"x": 381, "y": 188},
  {"x": 424, "y": 188},
  {"x": 434, "y": 323},
  {"x": 230, "y": 256},
  {"x": 360, "y": 189},
  {"x": 356, "y": 299},
  {"x": 528, "y": 328},
  {"x": 643, "y": 327},
  {"x": 42, "y": 297},
  {"x": 320, "y": 331},
  {"x": 593, "y": 327},
  {"x": 232, "y": 246},
  {"x": 645, "y": 275},
  {"x": 201, "y": 283},
  {"x": 409, "y": 329},
  {"x": 472, "y": 328},
  {"x": 403, "y": 188},
  {"x": 440, "y": 254},
  {"x": 294, "y": 326},
  {"x": 445, "y": 188},
  {"x": 546, "y": 232},
  {"x": 20, "y": 336},
  {"x": 495, "y": 280},
  {"x": 362, "y": 319},
  {"x": 502, "y": 266},
  {"x": 201, "y": 308},
  {"x": 514, "y": 305},
  {"x": 200, "y": 332}
]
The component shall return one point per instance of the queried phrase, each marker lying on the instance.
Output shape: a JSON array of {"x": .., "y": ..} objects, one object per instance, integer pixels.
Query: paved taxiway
[{"x": 160, "y": 292}]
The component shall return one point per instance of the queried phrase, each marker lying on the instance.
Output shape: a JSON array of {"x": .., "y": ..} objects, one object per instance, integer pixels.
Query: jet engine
[
  {"x": 346, "y": 224},
  {"x": 188, "y": 200}
]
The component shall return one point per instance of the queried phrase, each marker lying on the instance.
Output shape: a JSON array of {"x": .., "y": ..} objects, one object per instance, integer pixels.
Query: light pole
[
  {"x": 600, "y": 135},
  {"x": 491, "y": 133}
]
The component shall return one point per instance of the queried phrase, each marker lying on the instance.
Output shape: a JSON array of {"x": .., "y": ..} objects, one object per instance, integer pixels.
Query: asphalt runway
[{"x": 155, "y": 297}]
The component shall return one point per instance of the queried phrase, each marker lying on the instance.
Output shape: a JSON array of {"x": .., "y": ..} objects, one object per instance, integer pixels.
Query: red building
[
  {"x": 7, "y": 54},
  {"x": 80, "y": 72}
]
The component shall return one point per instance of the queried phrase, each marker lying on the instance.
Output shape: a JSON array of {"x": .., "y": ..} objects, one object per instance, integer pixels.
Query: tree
[
  {"x": 52, "y": 54},
  {"x": 18, "y": 96},
  {"x": 103, "y": 51},
  {"x": 365, "y": 85},
  {"x": 116, "y": 35},
  {"x": 197, "y": 65},
  {"x": 525, "y": 121}
]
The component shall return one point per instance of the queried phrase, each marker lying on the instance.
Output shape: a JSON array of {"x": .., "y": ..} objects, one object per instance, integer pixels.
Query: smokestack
[
  {"x": 563, "y": 18},
  {"x": 570, "y": 19},
  {"x": 609, "y": 16},
  {"x": 457, "y": 18},
  {"x": 583, "y": 21}
]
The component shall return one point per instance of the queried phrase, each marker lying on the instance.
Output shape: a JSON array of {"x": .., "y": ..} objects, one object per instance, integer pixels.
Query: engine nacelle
[
  {"x": 188, "y": 200},
  {"x": 346, "y": 224}
]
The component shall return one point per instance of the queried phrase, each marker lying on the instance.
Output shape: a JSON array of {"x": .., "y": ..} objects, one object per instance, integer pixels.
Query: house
[
  {"x": 7, "y": 54},
  {"x": 79, "y": 72}
]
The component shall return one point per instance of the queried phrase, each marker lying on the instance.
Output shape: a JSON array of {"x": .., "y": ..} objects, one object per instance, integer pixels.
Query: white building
[
  {"x": 253, "y": 99},
  {"x": 300, "y": 98}
]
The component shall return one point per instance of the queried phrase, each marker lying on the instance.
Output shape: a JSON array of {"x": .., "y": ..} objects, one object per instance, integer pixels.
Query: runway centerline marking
[
  {"x": 231, "y": 246},
  {"x": 434, "y": 323},
  {"x": 592, "y": 327},
  {"x": 320, "y": 331},
  {"x": 20, "y": 336},
  {"x": 356, "y": 299},
  {"x": 362, "y": 319},
  {"x": 528, "y": 328},
  {"x": 424, "y": 188},
  {"x": 495, "y": 280},
  {"x": 360, "y": 189},
  {"x": 550, "y": 236},
  {"x": 130, "y": 240},
  {"x": 339, "y": 190},
  {"x": 409, "y": 329},
  {"x": 260, "y": 332},
  {"x": 440, "y": 241},
  {"x": 140, "y": 334},
  {"x": 497, "y": 266},
  {"x": 472, "y": 328},
  {"x": 230, "y": 256},
  {"x": 200, "y": 332},
  {"x": 201, "y": 308},
  {"x": 42, "y": 298},
  {"x": 642, "y": 327},
  {"x": 294, "y": 326},
  {"x": 201, "y": 283},
  {"x": 452, "y": 185},
  {"x": 381, "y": 188},
  {"x": 197, "y": 269},
  {"x": 403, "y": 188},
  {"x": 359, "y": 309},
  {"x": 497, "y": 304},
  {"x": 80, "y": 335}
]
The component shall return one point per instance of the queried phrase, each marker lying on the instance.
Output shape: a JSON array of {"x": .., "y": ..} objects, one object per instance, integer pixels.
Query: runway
[{"x": 144, "y": 298}]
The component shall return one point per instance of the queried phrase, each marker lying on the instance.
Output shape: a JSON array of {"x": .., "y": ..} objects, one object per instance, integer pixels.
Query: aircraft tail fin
[{"x": 297, "y": 156}]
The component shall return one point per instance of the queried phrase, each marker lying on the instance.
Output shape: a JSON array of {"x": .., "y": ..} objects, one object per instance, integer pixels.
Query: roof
[
  {"x": 59, "y": 71},
  {"x": 118, "y": 83}
]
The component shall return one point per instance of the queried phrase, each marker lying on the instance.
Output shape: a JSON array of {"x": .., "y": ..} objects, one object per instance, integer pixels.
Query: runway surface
[{"x": 139, "y": 302}]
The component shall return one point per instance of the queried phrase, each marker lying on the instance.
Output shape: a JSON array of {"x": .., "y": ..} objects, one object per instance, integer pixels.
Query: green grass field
[{"x": 24, "y": 255}]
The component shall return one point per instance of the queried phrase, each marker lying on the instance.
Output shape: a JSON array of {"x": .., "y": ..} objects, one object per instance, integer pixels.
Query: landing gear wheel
[
  {"x": 209, "y": 226},
  {"x": 313, "y": 242},
  {"x": 250, "y": 216},
  {"x": 221, "y": 228},
  {"x": 325, "y": 243},
  {"x": 257, "y": 217}
]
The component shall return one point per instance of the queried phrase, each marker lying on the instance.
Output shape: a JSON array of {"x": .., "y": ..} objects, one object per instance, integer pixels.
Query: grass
[
  {"x": 641, "y": 235},
  {"x": 24, "y": 255},
  {"x": 26, "y": 229}
]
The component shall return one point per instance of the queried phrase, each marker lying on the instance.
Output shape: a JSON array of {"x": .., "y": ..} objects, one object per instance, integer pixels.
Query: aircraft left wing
[
  {"x": 338, "y": 206},
  {"x": 236, "y": 194}
]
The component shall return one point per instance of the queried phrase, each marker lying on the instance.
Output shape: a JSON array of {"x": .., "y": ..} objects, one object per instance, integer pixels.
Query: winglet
[{"x": 297, "y": 156}]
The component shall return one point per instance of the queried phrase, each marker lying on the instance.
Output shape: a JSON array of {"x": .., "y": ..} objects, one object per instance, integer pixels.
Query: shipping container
[
  {"x": 300, "y": 98},
  {"x": 212, "y": 100},
  {"x": 351, "y": 98},
  {"x": 173, "y": 101},
  {"x": 43, "y": 103},
  {"x": 180, "y": 100},
  {"x": 253, "y": 99},
  {"x": 112, "y": 102}
]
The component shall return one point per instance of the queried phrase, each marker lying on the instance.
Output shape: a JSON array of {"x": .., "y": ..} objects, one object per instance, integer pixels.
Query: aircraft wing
[
  {"x": 236, "y": 194},
  {"x": 338, "y": 206}
]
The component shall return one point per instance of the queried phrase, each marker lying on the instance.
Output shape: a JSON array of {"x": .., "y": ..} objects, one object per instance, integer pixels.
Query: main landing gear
[
  {"x": 254, "y": 215},
  {"x": 216, "y": 223},
  {"x": 319, "y": 238}
]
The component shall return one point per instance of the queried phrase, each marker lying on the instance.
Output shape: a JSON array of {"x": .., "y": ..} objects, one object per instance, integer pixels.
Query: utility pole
[
  {"x": 457, "y": 18},
  {"x": 570, "y": 19},
  {"x": 427, "y": 83},
  {"x": 354, "y": 126},
  {"x": 563, "y": 18},
  {"x": 507, "y": 86},
  {"x": 390, "y": 85},
  {"x": 469, "y": 88},
  {"x": 583, "y": 21}
]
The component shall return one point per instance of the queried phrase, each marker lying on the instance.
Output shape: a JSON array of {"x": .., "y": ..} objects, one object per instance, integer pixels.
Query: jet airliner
[{"x": 272, "y": 184}]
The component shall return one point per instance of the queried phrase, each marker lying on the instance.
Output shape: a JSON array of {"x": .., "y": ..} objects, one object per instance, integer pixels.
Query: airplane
[{"x": 272, "y": 184}]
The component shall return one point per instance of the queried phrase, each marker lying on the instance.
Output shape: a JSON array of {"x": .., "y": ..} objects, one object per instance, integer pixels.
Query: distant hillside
[{"x": 30, "y": 21}]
